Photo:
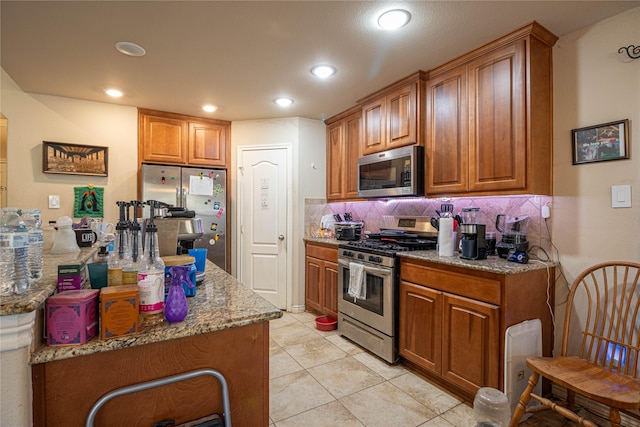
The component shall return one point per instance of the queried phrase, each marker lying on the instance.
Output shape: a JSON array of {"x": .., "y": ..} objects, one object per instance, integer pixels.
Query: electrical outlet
[
  {"x": 521, "y": 375},
  {"x": 54, "y": 201}
]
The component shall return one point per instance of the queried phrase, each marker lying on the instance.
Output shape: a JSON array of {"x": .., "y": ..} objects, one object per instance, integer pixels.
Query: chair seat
[{"x": 587, "y": 379}]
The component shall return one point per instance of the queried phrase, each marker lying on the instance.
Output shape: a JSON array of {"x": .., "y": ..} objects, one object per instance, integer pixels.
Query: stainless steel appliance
[
  {"x": 473, "y": 242},
  {"x": 349, "y": 230},
  {"x": 397, "y": 172},
  {"x": 200, "y": 190},
  {"x": 372, "y": 321}
]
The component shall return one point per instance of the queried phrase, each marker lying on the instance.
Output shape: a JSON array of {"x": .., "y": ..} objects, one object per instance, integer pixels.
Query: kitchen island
[{"x": 227, "y": 329}]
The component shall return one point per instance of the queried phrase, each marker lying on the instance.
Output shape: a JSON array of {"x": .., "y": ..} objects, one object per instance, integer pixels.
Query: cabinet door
[
  {"x": 330, "y": 304},
  {"x": 447, "y": 137},
  {"x": 421, "y": 325},
  {"x": 335, "y": 160},
  {"x": 207, "y": 144},
  {"x": 314, "y": 275},
  {"x": 497, "y": 140},
  {"x": 402, "y": 117},
  {"x": 353, "y": 141},
  {"x": 164, "y": 139},
  {"x": 374, "y": 116},
  {"x": 470, "y": 347}
]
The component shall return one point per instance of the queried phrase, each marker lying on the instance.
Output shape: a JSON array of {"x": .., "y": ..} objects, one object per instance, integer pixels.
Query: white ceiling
[{"x": 240, "y": 55}]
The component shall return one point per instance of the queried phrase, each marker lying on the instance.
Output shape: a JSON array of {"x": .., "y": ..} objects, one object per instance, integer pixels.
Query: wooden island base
[{"x": 65, "y": 390}]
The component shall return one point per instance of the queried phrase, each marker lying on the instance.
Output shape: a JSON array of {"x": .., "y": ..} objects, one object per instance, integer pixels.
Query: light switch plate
[
  {"x": 54, "y": 202},
  {"x": 620, "y": 196}
]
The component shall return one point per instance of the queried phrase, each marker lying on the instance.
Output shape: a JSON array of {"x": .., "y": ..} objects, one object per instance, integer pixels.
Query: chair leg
[
  {"x": 571, "y": 400},
  {"x": 614, "y": 417},
  {"x": 524, "y": 400}
]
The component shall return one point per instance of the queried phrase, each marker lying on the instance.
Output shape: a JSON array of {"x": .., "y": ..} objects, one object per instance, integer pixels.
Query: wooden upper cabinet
[
  {"x": 497, "y": 140},
  {"x": 343, "y": 149},
  {"x": 488, "y": 118},
  {"x": 170, "y": 138},
  {"x": 207, "y": 144},
  {"x": 163, "y": 139},
  {"x": 391, "y": 117},
  {"x": 447, "y": 132}
]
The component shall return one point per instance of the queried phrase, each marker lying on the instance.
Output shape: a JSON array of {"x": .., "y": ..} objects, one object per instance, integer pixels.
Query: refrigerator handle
[
  {"x": 178, "y": 197},
  {"x": 184, "y": 197}
]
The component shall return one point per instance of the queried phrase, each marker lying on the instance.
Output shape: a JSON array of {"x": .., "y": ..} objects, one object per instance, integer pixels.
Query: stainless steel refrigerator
[{"x": 201, "y": 190}]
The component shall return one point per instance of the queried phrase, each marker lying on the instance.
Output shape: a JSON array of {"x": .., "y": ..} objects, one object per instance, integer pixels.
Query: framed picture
[
  {"x": 608, "y": 141},
  {"x": 74, "y": 159}
]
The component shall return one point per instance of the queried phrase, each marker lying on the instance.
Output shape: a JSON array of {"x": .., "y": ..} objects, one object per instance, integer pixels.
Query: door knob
[{"x": 281, "y": 237}]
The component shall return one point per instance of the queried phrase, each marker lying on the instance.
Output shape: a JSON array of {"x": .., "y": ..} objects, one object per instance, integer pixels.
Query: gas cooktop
[{"x": 390, "y": 245}]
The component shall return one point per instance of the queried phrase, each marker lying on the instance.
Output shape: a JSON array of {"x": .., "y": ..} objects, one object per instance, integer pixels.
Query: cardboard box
[
  {"x": 72, "y": 317},
  {"x": 119, "y": 311},
  {"x": 72, "y": 277}
]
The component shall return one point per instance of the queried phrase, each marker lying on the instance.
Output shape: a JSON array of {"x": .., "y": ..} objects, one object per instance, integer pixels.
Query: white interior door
[{"x": 264, "y": 218}]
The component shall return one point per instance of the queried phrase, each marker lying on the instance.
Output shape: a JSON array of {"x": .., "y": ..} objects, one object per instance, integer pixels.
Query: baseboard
[{"x": 593, "y": 407}]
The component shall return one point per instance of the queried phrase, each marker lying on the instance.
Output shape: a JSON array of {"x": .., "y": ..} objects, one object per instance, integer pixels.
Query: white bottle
[
  {"x": 151, "y": 281},
  {"x": 31, "y": 218},
  {"x": 14, "y": 253}
]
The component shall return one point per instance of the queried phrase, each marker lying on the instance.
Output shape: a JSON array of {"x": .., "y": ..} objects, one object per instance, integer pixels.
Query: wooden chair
[{"x": 603, "y": 316}]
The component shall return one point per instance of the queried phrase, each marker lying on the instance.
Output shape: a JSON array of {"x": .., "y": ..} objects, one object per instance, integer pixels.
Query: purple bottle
[{"x": 176, "y": 307}]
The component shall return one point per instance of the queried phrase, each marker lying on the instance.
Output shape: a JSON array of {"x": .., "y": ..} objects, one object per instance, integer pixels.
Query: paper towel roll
[{"x": 446, "y": 237}]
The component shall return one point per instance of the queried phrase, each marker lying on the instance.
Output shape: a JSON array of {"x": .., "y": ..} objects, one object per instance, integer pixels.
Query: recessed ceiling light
[
  {"x": 209, "y": 108},
  {"x": 323, "y": 71},
  {"x": 394, "y": 19},
  {"x": 131, "y": 49},
  {"x": 114, "y": 93},
  {"x": 283, "y": 102}
]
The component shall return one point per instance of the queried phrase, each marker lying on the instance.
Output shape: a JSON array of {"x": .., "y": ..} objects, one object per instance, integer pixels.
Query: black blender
[
  {"x": 473, "y": 242},
  {"x": 514, "y": 234}
]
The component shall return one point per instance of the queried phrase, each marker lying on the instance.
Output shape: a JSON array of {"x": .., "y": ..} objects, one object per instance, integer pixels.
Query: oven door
[{"x": 376, "y": 310}]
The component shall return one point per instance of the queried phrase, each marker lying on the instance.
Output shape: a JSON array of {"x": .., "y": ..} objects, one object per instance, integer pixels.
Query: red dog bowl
[{"x": 326, "y": 323}]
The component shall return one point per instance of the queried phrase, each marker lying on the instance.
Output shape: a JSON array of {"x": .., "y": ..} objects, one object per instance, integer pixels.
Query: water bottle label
[
  {"x": 36, "y": 236},
  {"x": 14, "y": 240}
]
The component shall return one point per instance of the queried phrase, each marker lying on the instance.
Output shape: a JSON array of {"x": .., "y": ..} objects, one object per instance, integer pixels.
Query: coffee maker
[
  {"x": 514, "y": 234},
  {"x": 474, "y": 245}
]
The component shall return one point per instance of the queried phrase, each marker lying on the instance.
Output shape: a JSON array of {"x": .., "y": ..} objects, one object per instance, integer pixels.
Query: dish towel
[{"x": 357, "y": 287}]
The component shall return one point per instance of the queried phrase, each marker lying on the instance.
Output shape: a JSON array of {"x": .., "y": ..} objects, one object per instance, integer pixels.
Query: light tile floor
[{"x": 319, "y": 379}]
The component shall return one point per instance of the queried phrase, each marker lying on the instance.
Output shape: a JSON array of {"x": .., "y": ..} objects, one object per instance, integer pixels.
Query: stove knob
[{"x": 360, "y": 256}]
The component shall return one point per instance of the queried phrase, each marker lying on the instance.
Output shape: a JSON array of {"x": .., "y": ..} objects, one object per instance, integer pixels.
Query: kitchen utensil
[
  {"x": 347, "y": 216},
  {"x": 435, "y": 223}
]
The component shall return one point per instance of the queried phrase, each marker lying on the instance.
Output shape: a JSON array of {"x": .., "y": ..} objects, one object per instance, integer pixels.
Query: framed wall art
[
  {"x": 608, "y": 141},
  {"x": 74, "y": 159}
]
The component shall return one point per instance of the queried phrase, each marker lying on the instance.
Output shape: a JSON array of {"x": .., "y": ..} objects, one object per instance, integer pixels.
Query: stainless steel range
[{"x": 368, "y": 310}]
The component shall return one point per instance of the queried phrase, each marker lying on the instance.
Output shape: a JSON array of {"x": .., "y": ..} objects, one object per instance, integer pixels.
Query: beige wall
[
  {"x": 595, "y": 84},
  {"x": 32, "y": 119}
]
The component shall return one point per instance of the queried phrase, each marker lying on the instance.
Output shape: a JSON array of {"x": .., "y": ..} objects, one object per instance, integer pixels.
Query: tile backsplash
[{"x": 371, "y": 212}]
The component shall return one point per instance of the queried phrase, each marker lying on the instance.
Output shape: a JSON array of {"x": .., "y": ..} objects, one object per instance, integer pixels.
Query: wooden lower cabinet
[
  {"x": 65, "y": 390},
  {"x": 453, "y": 320},
  {"x": 321, "y": 279}
]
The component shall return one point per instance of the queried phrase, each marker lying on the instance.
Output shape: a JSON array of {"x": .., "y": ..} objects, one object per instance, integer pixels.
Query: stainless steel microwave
[{"x": 397, "y": 172}]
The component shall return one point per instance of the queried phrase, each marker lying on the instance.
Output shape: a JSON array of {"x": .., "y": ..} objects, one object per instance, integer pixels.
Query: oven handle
[{"x": 367, "y": 269}]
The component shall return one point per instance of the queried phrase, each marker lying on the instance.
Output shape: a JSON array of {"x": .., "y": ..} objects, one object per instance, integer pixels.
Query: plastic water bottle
[
  {"x": 31, "y": 218},
  {"x": 14, "y": 253}
]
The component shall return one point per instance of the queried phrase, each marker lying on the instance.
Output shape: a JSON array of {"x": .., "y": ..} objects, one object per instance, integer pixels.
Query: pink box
[{"x": 72, "y": 317}]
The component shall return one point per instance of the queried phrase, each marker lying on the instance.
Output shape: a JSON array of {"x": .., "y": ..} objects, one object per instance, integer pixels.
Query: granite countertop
[
  {"x": 220, "y": 302},
  {"x": 492, "y": 264},
  {"x": 38, "y": 292},
  {"x": 324, "y": 240}
]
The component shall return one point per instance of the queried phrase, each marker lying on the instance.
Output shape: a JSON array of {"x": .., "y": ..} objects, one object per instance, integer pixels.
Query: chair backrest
[{"x": 604, "y": 305}]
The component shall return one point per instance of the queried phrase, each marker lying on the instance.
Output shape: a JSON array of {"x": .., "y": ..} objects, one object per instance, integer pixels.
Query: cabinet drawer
[
  {"x": 322, "y": 252},
  {"x": 478, "y": 288}
]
